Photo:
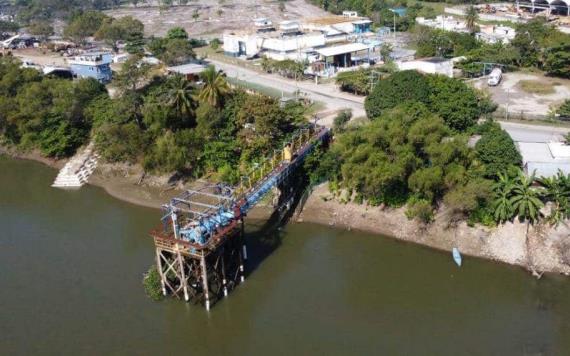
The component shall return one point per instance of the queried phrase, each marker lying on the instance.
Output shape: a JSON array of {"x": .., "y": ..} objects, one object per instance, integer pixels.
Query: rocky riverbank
[{"x": 548, "y": 247}]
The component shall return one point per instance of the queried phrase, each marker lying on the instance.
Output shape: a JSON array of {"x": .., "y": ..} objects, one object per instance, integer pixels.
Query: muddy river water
[{"x": 71, "y": 264}]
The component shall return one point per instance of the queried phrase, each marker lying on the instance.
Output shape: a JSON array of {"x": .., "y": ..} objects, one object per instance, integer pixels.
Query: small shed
[
  {"x": 190, "y": 70},
  {"x": 341, "y": 56}
]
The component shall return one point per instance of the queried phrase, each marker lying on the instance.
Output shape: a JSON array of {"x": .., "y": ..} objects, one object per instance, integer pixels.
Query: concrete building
[
  {"x": 496, "y": 34},
  {"x": 95, "y": 65},
  {"x": 339, "y": 28},
  {"x": 294, "y": 40},
  {"x": 433, "y": 65},
  {"x": 545, "y": 159},
  {"x": 488, "y": 33},
  {"x": 274, "y": 45},
  {"x": 442, "y": 22}
]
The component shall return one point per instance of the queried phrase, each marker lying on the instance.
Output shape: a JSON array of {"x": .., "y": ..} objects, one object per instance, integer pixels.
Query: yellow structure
[{"x": 287, "y": 154}]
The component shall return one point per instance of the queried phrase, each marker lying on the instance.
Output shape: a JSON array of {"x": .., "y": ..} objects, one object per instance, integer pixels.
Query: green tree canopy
[
  {"x": 177, "y": 33},
  {"x": 85, "y": 25},
  {"x": 408, "y": 85},
  {"x": 123, "y": 29},
  {"x": 497, "y": 150}
]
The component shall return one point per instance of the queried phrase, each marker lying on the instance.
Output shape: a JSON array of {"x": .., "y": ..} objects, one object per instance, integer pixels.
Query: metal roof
[
  {"x": 190, "y": 68},
  {"x": 545, "y": 159},
  {"x": 347, "y": 48}
]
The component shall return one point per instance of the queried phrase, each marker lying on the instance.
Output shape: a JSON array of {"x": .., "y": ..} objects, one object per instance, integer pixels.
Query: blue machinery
[
  {"x": 200, "y": 251},
  {"x": 197, "y": 215}
]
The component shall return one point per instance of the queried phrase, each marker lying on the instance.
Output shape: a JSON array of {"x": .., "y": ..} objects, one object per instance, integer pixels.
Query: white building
[
  {"x": 295, "y": 40},
  {"x": 488, "y": 33},
  {"x": 274, "y": 45},
  {"x": 339, "y": 28},
  {"x": 442, "y": 22},
  {"x": 496, "y": 34},
  {"x": 432, "y": 65}
]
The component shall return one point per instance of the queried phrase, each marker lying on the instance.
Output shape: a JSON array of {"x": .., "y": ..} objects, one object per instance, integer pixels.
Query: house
[
  {"x": 95, "y": 65},
  {"x": 433, "y": 65},
  {"x": 545, "y": 159}
]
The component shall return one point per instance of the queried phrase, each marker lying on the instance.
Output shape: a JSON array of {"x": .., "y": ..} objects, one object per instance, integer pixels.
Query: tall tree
[
  {"x": 42, "y": 29},
  {"x": 502, "y": 206},
  {"x": 471, "y": 17},
  {"x": 180, "y": 96},
  {"x": 215, "y": 86},
  {"x": 526, "y": 205},
  {"x": 124, "y": 29},
  {"x": 557, "y": 190}
]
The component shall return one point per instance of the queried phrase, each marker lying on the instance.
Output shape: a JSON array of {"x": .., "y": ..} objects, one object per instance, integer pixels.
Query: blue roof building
[{"x": 95, "y": 65}]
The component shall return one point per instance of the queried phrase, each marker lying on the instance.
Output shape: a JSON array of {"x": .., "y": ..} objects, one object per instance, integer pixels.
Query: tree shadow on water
[{"x": 264, "y": 237}]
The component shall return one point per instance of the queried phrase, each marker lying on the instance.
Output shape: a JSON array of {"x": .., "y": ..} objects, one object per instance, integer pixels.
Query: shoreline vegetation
[
  {"x": 504, "y": 243},
  {"x": 428, "y": 164}
]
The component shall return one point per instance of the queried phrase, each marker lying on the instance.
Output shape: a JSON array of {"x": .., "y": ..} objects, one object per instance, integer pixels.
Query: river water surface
[{"x": 71, "y": 264}]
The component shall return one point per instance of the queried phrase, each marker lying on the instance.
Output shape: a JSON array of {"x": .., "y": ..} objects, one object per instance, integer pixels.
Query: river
[{"x": 71, "y": 264}]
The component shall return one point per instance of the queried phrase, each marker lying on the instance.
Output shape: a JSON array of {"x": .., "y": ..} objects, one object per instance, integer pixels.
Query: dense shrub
[
  {"x": 456, "y": 103},
  {"x": 497, "y": 150},
  {"x": 48, "y": 114},
  {"x": 408, "y": 85}
]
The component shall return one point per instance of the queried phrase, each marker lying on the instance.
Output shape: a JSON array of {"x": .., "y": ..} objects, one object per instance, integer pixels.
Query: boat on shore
[{"x": 457, "y": 256}]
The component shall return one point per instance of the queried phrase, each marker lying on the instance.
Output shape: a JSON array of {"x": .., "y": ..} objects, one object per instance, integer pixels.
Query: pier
[
  {"x": 200, "y": 249},
  {"x": 77, "y": 171}
]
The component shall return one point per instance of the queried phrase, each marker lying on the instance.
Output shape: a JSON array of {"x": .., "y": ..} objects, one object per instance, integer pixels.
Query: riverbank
[
  {"x": 548, "y": 247},
  {"x": 122, "y": 181},
  {"x": 127, "y": 182}
]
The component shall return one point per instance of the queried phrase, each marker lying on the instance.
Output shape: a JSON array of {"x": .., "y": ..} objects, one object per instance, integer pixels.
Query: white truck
[{"x": 495, "y": 77}]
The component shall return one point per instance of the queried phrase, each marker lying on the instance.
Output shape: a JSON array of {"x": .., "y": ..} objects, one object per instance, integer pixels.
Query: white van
[{"x": 495, "y": 77}]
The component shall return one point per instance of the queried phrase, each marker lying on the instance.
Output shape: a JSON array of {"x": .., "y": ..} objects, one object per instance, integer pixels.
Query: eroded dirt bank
[{"x": 549, "y": 247}]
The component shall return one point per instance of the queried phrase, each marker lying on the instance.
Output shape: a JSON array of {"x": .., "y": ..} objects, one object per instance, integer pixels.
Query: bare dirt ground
[
  {"x": 40, "y": 56},
  {"x": 215, "y": 16},
  {"x": 549, "y": 247},
  {"x": 521, "y": 103}
]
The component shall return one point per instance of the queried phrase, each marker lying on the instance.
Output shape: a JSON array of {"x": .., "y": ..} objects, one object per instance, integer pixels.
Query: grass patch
[
  {"x": 258, "y": 88},
  {"x": 437, "y": 6},
  {"x": 536, "y": 87}
]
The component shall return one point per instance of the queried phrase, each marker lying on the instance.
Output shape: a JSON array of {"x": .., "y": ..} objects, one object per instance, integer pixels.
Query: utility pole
[
  {"x": 507, "y": 105},
  {"x": 394, "y": 12}
]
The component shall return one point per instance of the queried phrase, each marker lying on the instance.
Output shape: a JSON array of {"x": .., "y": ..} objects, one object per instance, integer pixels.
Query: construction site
[
  {"x": 210, "y": 18},
  {"x": 557, "y": 12}
]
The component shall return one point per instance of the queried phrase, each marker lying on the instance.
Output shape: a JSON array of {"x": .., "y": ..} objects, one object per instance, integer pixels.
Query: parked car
[{"x": 495, "y": 77}]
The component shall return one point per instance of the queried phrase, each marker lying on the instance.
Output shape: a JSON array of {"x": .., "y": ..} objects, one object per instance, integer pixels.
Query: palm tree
[
  {"x": 180, "y": 96},
  {"x": 215, "y": 86},
  {"x": 557, "y": 190},
  {"x": 502, "y": 205},
  {"x": 471, "y": 17},
  {"x": 526, "y": 204}
]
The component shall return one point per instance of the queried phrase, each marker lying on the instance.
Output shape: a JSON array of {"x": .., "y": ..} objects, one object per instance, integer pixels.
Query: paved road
[
  {"x": 534, "y": 133},
  {"x": 328, "y": 94},
  {"x": 334, "y": 100}
]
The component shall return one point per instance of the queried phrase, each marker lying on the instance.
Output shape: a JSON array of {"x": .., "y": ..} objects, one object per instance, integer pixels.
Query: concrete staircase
[{"x": 77, "y": 171}]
